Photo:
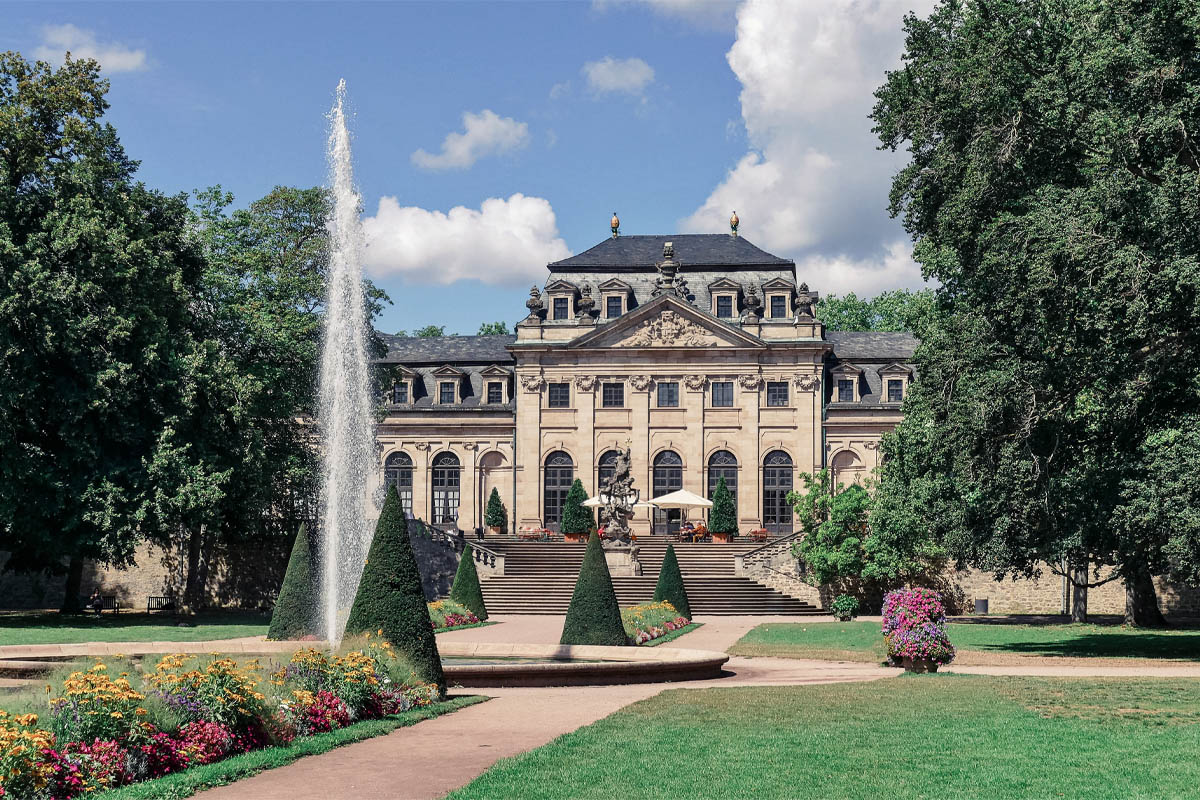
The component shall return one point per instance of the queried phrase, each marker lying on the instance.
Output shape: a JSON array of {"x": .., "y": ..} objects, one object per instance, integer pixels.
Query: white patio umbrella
[
  {"x": 682, "y": 499},
  {"x": 595, "y": 502}
]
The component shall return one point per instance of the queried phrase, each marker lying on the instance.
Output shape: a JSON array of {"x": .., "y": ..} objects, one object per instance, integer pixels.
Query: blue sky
[{"x": 671, "y": 112}]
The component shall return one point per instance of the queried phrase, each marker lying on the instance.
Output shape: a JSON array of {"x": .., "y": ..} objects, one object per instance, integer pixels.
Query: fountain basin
[{"x": 574, "y": 665}]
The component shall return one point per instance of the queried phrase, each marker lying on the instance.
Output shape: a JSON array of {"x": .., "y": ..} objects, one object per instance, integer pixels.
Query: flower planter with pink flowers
[{"x": 914, "y": 627}]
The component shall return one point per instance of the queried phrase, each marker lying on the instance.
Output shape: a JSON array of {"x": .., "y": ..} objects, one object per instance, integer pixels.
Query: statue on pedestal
[{"x": 620, "y": 497}]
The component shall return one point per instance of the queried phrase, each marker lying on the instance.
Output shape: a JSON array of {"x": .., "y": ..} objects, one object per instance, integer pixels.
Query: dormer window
[
  {"x": 778, "y": 293},
  {"x": 895, "y": 390},
  {"x": 724, "y": 303},
  {"x": 449, "y": 381},
  {"x": 562, "y": 308},
  {"x": 615, "y": 297},
  {"x": 894, "y": 379},
  {"x": 400, "y": 393},
  {"x": 778, "y": 306},
  {"x": 495, "y": 392},
  {"x": 614, "y": 306},
  {"x": 845, "y": 390},
  {"x": 845, "y": 383},
  {"x": 446, "y": 393}
]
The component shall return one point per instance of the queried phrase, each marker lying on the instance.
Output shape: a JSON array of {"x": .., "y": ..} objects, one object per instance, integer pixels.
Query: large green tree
[
  {"x": 98, "y": 279},
  {"x": 493, "y": 329},
  {"x": 1053, "y": 191},
  {"x": 895, "y": 310}
]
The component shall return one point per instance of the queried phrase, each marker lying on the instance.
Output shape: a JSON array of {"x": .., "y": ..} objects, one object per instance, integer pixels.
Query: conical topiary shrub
[
  {"x": 466, "y": 590},
  {"x": 594, "y": 616},
  {"x": 496, "y": 515},
  {"x": 390, "y": 597},
  {"x": 575, "y": 517},
  {"x": 723, "y": 517},
  {"x": 295, "y": 611},
  {"x": 670, "y": 586}
]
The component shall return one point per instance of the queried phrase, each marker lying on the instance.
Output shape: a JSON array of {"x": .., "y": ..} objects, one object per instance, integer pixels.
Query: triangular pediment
[
  {"x": 778, "y": 283},
  {"x": 667, "y": 322},
  {"x": 724, "y": 283},
  {"x": 496, "y": 370},
  {"x": 561, "y": 286},
  {"x": 448, "y": 371},
  {"x": 614, "y": 285},
  {"x": 846, "y": 369},
  {"x": 895, "y": 368}
]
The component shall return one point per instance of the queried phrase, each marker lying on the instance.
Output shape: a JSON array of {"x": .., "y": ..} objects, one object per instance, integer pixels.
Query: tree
[
  {"x": 430, "y": 331},
  {"x": 296, "y": 606},
  {"x": 723, "y": 517},
  {"x": 493, "y": 329},
  {"x": 496, "y": 515},
  {"x": 390, "y": 597},
  {"x": 575, "y": 517},
  {"x": 670, "y": 586},
  {"x": 98, "y": 277},
  {"x": 896, "y": 310},
  {"x": 594, "y": 616},
  {"x": 1051, "y": 191},
  {"x": 466, "y": 590}
]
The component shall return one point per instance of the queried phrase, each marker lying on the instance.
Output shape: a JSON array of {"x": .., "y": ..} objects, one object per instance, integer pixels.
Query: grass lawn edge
[
  {"x": 208, "y": 776},
  {"x": 483, "y": 624},
  {"x": 672, "y": 635}
]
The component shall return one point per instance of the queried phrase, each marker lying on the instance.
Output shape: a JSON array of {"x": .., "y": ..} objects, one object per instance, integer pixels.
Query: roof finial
[
  {"x": 616, "y": 225},
  {"x": 733, "y": 223}
]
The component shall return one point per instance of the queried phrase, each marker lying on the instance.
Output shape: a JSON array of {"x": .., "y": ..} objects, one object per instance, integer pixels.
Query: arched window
[
  {"x": 668, "y": 477},
  {"x": 446, "y": 480},
  {"x": 605, "y": 469},
  {"x": 847, "y": 468},
  {"x": 398, "y": 472},
  {"x": 777, "y": 482},
  {"x": 723, "y": 464},
  {"x": 557, "y": 477}
]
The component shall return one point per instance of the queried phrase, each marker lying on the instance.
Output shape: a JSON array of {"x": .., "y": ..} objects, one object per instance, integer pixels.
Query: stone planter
[
  {"x": 494, "y": 530},
  {"x": 920, "y": 665},
  {"x": 723, "y": 538},
  {"x": 844, "y": 618},
  {"x": 576, "y": 537}
]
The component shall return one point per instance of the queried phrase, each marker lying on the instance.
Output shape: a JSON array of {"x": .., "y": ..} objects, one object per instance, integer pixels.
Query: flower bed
[
  {"x": 101, "y": 731},
  {"x": 649, "y": 621},
  {"x": 914, "y": 627},
  {"x": 449, "y": 614}
]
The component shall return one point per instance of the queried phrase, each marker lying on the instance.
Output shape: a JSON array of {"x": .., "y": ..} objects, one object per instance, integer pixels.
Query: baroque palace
[{"x": 700, "y": 352}]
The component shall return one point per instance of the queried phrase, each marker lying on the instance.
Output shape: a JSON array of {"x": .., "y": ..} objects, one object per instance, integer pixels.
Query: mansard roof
[
  {"x": 692, "y": 250},
  {"x": 438, "y": 350},
  {"x": 872, "y": 345}
]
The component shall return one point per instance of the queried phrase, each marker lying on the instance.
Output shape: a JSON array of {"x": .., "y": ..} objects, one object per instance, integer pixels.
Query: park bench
[
  {"x": 107, "y": 603},
  {"x": 159, "y": 603}
]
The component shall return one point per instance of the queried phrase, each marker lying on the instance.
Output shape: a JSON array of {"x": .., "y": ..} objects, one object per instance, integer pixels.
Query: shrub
[
  {"x": 95, "y": 706},
  {"x": 575, "y": 517},
  {"x": 844, "y": 607},
  {"x": 295, "y": 608},
  {"x": 449, "y": 614},
  {"x": 216, "y": 690},
  {"x": 914, "y": 626},
  {"x": 670, "y": 588},
  {"x": 466, "y": 590},
  {"x": 390, "y": 598},
  {"x": 496, "y": 515},
  {"x": 594, "y": 616},
  {"x": 723, "y": 517}
]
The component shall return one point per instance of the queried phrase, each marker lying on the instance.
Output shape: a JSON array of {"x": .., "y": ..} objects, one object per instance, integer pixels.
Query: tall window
[
  {"x": 777, "y": 482},
  {"x": 558, "y": 395},
  {"x": 724, "y": 306},
  {"x": 723, "y": 464},
  {"x": 606, "y": 468},
  {"x": 398, "y": 472},
  {"x": 845, "y": 391},
  {"x": 777, "y": 393},
  {"x": 722, "y": 394},
  {"x": 495, "y": 392},
  {"x": 446, "y": 392},
  {"x": 556, "y": 482},
  {"x": 778, "y": 306},
  {"x": 400, "y": 393},
  {"x": 612, "y": 395},
  {"x": 560, "y": 308},
  {"x": 668, "y": 395},
  {"x": 895, "y": 391},
  {"x": 445, "y": 477},
  {"x": 668, "y": 477},
  {"x": 613, "y": 306}
]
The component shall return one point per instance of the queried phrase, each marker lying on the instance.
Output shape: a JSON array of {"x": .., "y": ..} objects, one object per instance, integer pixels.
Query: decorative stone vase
[
  {"x": 723, "y": 538},
  {"x": 575, "y": 537},
  {"x": 920, "y": 665}
]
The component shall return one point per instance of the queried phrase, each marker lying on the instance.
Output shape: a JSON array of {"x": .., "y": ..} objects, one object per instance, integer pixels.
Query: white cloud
[
  {"x": 57, "y": 40},
  {"x": 627, "y": 75},
  {"x": 485, "y": 134},
  {"x": 813, "y": 186},
  {"x": 560, "y": 90},
  {"x": 713, "y": 14},
  {"x": 506, "y": 242}
]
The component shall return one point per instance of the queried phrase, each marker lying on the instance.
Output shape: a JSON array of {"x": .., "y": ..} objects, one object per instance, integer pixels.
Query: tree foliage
[
  {"x": 575, "y": 517},
  {"x": 296, "y": 606},
  {"x": 1053, "y": 192},
  {"x": 670, "y": 587},
  {"x": 723, "y": 516},
  {"x": 895, "y": 310},
  {"x": 493, "y": 329},
  {"x": 430, "y": 331},
  {"x": 496, "y": 515},
  {"x": 466, "y": 590},
  {"x": 390, "y": 597},
  {"x": 593, "y": 617}
]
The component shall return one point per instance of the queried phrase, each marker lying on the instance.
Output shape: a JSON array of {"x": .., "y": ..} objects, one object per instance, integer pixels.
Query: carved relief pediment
[{"x": 669, "y": 329}]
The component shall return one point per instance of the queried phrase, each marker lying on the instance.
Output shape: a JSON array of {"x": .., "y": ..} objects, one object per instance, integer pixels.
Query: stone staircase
[{"x": 539, "y": 578}]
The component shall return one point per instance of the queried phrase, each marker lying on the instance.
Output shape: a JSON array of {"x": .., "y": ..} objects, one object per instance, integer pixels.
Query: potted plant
[
  {"x": 496, "y": 515},
  {"x": 914, "y": 627},
  {"x": 844, "y": 607},
  {"x": 722, "y": 520},
  {"x": 577, "y": 520}
]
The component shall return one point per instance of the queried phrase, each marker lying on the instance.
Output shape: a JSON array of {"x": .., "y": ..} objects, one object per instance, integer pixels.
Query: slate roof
[
  {"x": 886, "y": 347},
  {"x": 692, "y": 250},
  {"x": 439, "y": 350}
]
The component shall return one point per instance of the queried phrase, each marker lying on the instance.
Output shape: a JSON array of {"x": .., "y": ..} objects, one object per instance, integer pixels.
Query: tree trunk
[
  {"x": 197, "y": 572},
  {"x": 70, "y": 602},
  {"x": 1079, "y": 580},
  {"x": 1141, "y": 601}
]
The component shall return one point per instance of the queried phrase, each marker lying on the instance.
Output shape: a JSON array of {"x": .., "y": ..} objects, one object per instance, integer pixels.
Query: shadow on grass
[
  {"x": 1142, "y": 644},
  {"x": 55, "y": 620}
]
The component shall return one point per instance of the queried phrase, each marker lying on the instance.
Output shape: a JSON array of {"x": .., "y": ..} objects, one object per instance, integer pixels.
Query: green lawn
[
  {"x": 108, "y": 627},
  {"x": 861, "y": 641},
  {"x": 935, "y": 736}
]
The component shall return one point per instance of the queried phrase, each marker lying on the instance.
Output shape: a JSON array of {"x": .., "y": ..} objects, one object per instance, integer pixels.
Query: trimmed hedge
[
  {"x": 295, "y": 613},
  {"x": 390, "y": 597},
  {"x": 670, "y": 586},
  {"x": 594, "y": 616},
  {"x": 496, "y": 515},
  {"x": 723, "y": 517},
  {"x": 466, "y": 590},
  {"x": 576, "y": 518}
]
